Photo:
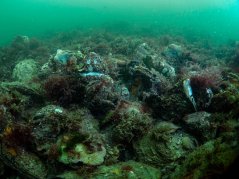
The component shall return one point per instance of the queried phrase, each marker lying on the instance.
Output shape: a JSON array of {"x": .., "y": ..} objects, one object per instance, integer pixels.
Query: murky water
[{"x": 217, "y": 20}]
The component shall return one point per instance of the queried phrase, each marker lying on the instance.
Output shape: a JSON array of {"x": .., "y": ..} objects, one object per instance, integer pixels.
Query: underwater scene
[{"x": 119, "y": 89}]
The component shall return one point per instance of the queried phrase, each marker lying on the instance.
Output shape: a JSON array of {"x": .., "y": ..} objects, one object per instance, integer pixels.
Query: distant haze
[
  {"x": 218, "y": 19},
  {"x": 172, "y": 4}
]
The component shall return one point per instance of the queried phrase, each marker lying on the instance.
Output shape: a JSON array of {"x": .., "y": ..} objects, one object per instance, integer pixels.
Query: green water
[{"x": 217, "y": 20}]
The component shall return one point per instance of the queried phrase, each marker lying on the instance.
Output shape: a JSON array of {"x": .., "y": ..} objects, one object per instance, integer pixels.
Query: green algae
[
  {"x": 130, "y": 170},
  {"x": 211, "y": 159}
]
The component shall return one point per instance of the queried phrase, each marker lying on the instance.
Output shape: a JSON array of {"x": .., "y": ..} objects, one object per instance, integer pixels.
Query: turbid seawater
[{"x": 214, "y": 19}]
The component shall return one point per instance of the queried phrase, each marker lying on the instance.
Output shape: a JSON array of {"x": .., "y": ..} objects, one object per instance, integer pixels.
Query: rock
[
  {"x": 62, "y": 56},
  {"x": 74, "y": 149},
  {"x": 164, "y": 145},
  {"x": 200, "y": 125},
  {"x": 133, "y": 124},
  {"x": 124, "y": 93},
  {"x": 146, "y": 55},
  {"x": 28, "y": 90},
  {"x": 170, "y": 106},
  {"x": 95, "y": 63},
  {"x": 202, "y": 161},
  {"x": 69, "y": 175},
  {"x": 173, "y": 51},
  {"x": 47, "y": 125},
  {"x": 143, "y": 80},
  {"x": 75, "y": 62},
  {"x": 26, "y": 163},
  {"x": 49, "y": 111},
  {"x": 129, "y": 169},
  {"x": 82, "y": 154},
  {"x": 166, "y": 69},
  {"x": 143, "y": 52},
  {"x": 81, "y": 120},
  {"x": 226, "y": 102},
  {"x": 1, "y": 168},
  {"x": 149, "y": 57},
  {"x": 101, "y": 95},
  {"x": 16, "y": 98},
  {"x": 25, "y": 70},
  {"x": 64, "y": 61}
]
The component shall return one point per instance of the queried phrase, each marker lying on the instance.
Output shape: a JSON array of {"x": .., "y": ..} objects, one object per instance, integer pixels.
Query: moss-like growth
[
  {"x": 13, "y": 103},
  {"x": 227, "y": 102},
  {"x": 26, "y": 163},
  {"x": 64, "y": 90},
  {"x": 132, "y": 125},
  {"x": 164, "y": 145},
  {"x": 25, "y": 70},
  {"x": 208, "y": 161},
  {"x": 128, "y": 169},
  {"x": 123, "y": 170},
  {"x": 75, "y": 148},
  {"x": 163, "y": 130},
  {"x": 172, "y": 106}
]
